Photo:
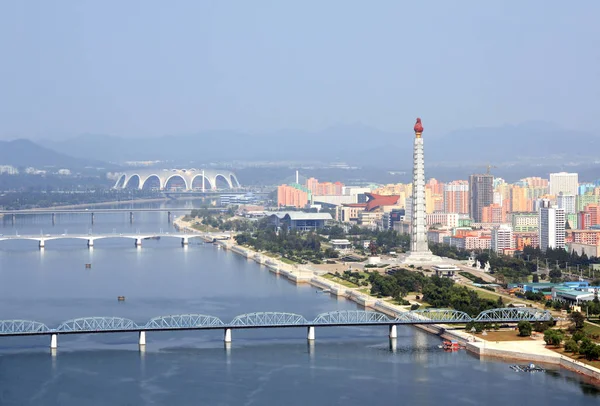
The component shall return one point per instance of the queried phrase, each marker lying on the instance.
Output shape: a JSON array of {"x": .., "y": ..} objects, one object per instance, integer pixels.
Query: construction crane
[{"x": 488, "y": 167}]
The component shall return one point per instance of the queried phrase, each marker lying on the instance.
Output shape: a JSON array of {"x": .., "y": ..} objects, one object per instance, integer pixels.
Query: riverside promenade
[{"x": 530, "y": 351}]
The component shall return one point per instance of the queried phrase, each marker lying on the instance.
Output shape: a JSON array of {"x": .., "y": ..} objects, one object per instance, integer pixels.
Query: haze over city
[{"x": 144, "y": 69}]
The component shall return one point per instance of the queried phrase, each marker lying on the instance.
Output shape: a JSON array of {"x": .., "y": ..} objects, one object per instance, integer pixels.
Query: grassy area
[
  {"x": 471, "y": 277},
  {"x": 365, "y": 291},
  {"x": 203, "y": 227},
  {"x": 576, "y": 357},
  {"x": 342, "y": 282},
  {"x": 592, "y": 328},
  {"x": 270, "y": 254},
  {"x": 504, "y": 335},
  {"x": 486, "y": 294},
  {"x": 287, "y": 261}
]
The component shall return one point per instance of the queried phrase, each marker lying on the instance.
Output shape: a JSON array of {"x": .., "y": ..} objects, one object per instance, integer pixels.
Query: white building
[
  {"x": 567, "y": 183},
  {"x": 525, "y": 222},
  {"x": 551, "y": 226},
  {"x": 444, "y": 219},
  {"x": 9, "y": 170},
  {"x": 502, "y": 238},
  {"x": 567, "y": 202}
]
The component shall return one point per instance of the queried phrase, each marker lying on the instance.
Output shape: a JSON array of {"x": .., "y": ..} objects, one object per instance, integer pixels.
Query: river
[{"x": 345, "y": 366}]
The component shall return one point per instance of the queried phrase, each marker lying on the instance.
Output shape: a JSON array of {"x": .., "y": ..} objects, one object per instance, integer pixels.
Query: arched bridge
[
  {"x": 186, "y": 179},
  {"x": 340, "y": 318}
]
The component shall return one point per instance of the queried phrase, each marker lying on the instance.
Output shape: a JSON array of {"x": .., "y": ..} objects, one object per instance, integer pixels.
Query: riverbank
[{"x": 528, "y": 351}]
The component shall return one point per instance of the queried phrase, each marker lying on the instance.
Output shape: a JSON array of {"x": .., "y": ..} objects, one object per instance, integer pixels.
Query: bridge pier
[
  {"x": 311, "y": 333},
  {"x": 169, "y": 217},
  {"x": 138, "y": 242},
  {"x": 90, "y": 243},
  {"x": 53, "y": 218},
  {"x": 185, "y": 241},
  {"x": 54, "y": 341},
  {"x": 393, "y": 345},
  {"x": 131, "y": 217},
  {"x": 227, "y": 337},
  {"x": 42, "y": 243},
  {"x": 142, "y": 338},
  {"x": 93, "y": 218},
  {"x": 393, "y": 331},
  {"x": 14, "y": 219}
]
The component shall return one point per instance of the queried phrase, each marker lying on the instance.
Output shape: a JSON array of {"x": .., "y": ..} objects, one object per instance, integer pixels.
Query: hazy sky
[{"x": 148, "y": 68}]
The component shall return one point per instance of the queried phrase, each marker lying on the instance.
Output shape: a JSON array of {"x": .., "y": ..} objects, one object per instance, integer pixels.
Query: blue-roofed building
[{"x": 298, "y": 220}]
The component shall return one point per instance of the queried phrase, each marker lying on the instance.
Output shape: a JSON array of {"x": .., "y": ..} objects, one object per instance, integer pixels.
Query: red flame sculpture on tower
[{"x": 418, "y": 127}]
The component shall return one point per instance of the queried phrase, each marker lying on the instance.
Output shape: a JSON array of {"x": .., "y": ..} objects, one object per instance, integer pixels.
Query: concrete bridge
[
  {"x": 90, "y": 238},
  {"x": 92, "y": 212},
  {"x": 340, "y": 318}
]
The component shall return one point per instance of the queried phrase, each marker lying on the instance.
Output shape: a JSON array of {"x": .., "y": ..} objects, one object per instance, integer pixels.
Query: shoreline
[{"x": 529, "y": 351}]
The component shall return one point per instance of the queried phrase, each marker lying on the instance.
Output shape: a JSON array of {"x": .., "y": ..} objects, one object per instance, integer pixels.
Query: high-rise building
[
  {"x": 584, "y": 220},
  {"x": 456, "y": 197},
  {"x": 494, "y": 213},
  {"x": 518, "y": 199},
  {"x": 566, "y": 202},
  {"x": 502, "y": 238},
  {"x": 292, "y": 196},
  {"x": 535, "y": 182},
  {"x": 551, "y": 226},
  {"x": 481, "y": 194},
  {"x": 568, "y": 183},
  {"x": 594, "y": 211}
]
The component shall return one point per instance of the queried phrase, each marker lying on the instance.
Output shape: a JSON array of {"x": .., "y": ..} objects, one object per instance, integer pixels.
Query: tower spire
[{"x": 419, "y": 249}]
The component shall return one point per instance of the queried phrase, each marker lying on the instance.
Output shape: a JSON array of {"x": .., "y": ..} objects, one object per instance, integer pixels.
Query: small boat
[
  {"x": 451, "y": 345},
  {"x": 121, "y": 298}
]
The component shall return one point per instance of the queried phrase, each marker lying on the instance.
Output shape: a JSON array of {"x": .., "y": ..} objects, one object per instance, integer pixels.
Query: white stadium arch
[{"x": 128, "y": 179}]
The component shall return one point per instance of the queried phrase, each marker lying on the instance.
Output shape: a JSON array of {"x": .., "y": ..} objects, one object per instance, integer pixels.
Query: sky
[{"x": 150, "y": 68}]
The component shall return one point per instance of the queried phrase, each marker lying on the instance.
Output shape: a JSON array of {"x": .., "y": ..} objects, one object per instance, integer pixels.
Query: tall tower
[{"x": 419, "y": 250}]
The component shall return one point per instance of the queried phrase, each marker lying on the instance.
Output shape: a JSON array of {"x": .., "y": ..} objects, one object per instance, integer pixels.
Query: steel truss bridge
[{"x": 340, "y": 318}]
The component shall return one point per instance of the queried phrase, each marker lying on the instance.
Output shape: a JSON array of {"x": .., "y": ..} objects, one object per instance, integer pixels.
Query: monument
[{"x": 419, "y": 249}]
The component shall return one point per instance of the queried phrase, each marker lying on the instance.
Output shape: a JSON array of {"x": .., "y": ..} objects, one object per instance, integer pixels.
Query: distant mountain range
[
  {"x": 532, "y": 149},
  {"x": 25, "y": 153},
  {"x": 356, "y": 145}
]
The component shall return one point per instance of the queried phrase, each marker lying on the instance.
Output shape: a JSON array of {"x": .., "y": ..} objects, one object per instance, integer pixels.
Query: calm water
[{"x": 345, "y": 366}]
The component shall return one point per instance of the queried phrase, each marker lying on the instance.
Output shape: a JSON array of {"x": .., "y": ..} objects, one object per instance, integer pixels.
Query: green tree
[
  {"x": 571, "y": 346},
  {"x": 578, "y": 336},
  {"x": 578, "y": 319},
  {"x": 553, "y": 337},
  {"x": 524, "y": 328}
]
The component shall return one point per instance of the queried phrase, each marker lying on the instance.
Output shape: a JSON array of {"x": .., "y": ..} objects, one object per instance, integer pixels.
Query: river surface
[{"x": 344, "y": 366}]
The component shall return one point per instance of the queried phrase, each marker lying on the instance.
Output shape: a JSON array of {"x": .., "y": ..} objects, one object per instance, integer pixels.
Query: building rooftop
[{"x": 375, "y": 201}]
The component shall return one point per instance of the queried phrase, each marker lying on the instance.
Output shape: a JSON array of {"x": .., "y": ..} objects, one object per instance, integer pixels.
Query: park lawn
[
  {"x": 486, "y": 294},
  {"x": 287, "y": 261},
  {"x": 503, "y": 335},
  {"x": 270, "y": 254},
  {"x": 365, "y": 291},
  {"x": 592, "y": 328},
  {"x": 203, "y": 227},
  {"x": 342, "y": 282},
  {"x": 576, "y": 357}
]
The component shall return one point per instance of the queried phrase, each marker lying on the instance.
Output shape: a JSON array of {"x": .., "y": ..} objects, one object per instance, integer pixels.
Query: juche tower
[{"x": 419, "y": 249}]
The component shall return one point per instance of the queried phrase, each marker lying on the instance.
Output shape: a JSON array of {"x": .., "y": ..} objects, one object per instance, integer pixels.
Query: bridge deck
[{"x": 344, "y": 318}]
